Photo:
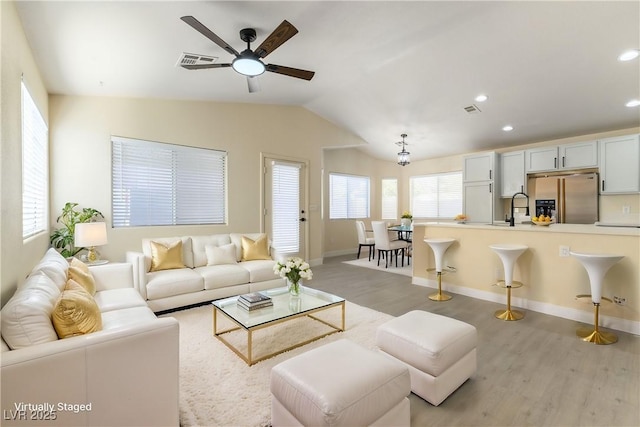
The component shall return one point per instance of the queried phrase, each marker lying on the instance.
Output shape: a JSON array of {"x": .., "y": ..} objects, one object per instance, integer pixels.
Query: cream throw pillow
[
  {"x": 79, "y": 272},
  {"x": 75, "y": 312},
  {"x": 217, "y": 255},
  {"x": 253, "y": 250},
  {"x": 166, "y": 257}
]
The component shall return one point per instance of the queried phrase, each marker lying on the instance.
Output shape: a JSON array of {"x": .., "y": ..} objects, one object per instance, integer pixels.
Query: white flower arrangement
[{"x": 294, "y": 269}]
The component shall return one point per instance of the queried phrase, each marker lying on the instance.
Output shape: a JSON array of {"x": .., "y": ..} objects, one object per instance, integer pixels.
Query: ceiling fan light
[{"x": 248, "y": 66}]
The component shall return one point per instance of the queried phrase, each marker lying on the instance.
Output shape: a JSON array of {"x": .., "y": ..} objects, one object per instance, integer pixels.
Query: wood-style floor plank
[{"x": 533, "y": 372}]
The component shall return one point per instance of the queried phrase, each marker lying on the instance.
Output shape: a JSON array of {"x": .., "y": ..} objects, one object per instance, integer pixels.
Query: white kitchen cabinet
[
  {"x": 478, "y": 202},
  {"x": 479, "y": 167},
  {"x": 512, "y": 174},
  {"x": 620, "y": 165},
  {"x": 578, "y": 155}
]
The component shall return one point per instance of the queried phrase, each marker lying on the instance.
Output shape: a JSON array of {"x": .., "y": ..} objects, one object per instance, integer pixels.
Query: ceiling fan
[{"x": 248, "y": 62}]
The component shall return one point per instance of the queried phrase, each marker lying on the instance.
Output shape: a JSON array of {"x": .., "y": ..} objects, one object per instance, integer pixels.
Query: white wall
[
  {"x": 17, "y": 257},
  {"x": 81, "y": 128}
]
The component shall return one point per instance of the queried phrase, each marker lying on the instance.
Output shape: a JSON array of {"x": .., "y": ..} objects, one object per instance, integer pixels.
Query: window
[
  {"x": 164, "y": 184},
  {"x": 286, "y": 207},
  {"x": 436, "y": 196},
  {"x": 348, "y": 196},
  {"x": 35, "y": 168},
  {"x": 389, "y": 198}
]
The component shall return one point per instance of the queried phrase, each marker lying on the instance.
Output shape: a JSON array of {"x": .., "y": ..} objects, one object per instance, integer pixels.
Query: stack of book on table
[{"x": 254, "y": 301}]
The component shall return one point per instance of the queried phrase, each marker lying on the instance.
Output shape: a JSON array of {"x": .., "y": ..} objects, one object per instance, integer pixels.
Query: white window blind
[
  {"x": 348, "y": 196},
  {"x": 286, "y": 207},
  {"x": 164, "y": 184},
  {"x": 389, "y": 198},
  {"x": 436, "y": 196},
  {"x": 35, "y": 168}
]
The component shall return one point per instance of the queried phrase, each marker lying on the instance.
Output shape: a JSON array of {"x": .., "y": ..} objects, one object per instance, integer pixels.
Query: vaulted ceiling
[{"x": 383, "y": 68}]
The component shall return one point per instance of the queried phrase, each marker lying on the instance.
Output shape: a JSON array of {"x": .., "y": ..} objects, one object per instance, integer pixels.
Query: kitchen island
[{"x": 551, "y": 282}]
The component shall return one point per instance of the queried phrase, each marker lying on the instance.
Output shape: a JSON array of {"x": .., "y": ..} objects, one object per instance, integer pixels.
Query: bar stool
[
  {"x": 439, "y": 247},
  {"x": 597, "y": 266},
  {"x": 509, "y": 253}
]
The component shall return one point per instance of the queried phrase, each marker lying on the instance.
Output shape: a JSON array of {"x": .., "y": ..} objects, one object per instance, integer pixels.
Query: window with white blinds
[
  {"x": 389, "y": 189},
  {"x": 348, "y": 196},
  {"x": 436, "y": 196},
  {"x": 164, "y": 184},
  {"x": 286, "y": 207},
  {"x": 35, "y": 168}
]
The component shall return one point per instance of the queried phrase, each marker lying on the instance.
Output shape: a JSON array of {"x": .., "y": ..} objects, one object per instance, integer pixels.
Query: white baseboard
[{"x": 610, "y": 322}]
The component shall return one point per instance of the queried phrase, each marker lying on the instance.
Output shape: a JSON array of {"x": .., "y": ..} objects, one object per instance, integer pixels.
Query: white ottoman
[
  {"x": 439, "y": 351},
  {"x": 340, "y": 384}
]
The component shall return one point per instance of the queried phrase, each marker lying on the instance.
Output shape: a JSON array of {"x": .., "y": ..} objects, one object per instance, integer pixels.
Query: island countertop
[
  {"x": 552, "y": 228},
  {"x": 551, "y": 279}
]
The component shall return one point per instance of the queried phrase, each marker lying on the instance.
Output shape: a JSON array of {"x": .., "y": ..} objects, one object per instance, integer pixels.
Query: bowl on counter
[{"x": 543, "y": 223}]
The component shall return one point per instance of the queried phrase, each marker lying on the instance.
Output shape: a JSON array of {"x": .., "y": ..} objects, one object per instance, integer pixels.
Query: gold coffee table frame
[{"x": 318, "y": 301}]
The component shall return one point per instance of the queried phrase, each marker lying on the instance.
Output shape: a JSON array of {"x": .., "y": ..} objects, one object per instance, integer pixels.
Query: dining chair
[
  {"x": 386, "y": 247},
  {"x": 363, "y": 240}
]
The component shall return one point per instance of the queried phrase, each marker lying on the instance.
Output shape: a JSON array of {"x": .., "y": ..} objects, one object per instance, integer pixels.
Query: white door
[{"x": 285, "y": 216}]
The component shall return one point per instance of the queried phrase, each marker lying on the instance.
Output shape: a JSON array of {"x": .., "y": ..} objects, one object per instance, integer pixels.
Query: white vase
[{"x": 405, "y": 222}]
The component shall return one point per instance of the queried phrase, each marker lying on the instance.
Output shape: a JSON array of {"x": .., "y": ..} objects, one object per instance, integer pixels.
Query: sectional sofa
[
  {"x": 123, "y": 373},
  {"x": 202, "y": 268}
]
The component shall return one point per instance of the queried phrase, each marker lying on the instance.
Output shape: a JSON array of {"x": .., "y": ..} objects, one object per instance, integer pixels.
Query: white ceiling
[{"x": 550, "y": 69}]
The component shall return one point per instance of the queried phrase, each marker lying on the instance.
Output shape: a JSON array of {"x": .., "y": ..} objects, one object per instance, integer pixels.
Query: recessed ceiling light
[
  {"x": 481, "y": 98},
  {"x": 629, "y": 55},
  {"x": 507, "y": 128},
  {"x": 633, "y": 103}
]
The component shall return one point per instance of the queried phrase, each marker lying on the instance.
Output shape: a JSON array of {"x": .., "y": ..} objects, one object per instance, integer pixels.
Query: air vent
[
  {"x": 195, "y": 59},
  {"x": 472, "y": 109}
]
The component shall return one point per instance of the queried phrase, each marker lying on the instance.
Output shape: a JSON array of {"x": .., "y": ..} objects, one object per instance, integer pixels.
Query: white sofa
[
  {"x": 199, "y": 282},
  {"x": 123, "y": 375}
]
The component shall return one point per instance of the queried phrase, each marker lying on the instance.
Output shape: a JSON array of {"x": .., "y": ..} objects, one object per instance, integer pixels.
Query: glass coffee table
[{"x": 285, "y": 308}]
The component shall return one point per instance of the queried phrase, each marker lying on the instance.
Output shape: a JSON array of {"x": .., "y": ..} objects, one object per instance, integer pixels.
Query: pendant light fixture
[{"x": 403, "y": 156}]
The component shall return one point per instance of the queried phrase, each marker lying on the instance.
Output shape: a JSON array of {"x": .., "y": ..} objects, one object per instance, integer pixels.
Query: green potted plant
[{"x": 63, "y": 238}]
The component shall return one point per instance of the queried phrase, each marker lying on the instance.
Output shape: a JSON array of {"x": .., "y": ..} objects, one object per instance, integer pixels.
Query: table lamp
[{"x": 89, "y": 235}]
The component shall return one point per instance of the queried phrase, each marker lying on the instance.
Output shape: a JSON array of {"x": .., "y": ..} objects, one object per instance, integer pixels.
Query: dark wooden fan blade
[
  {"x": 291, "y": 72},
  {"x": 199, "y": 27},
  {"x": 284, "y": 32},
  {"x": 204, "y": 66}
]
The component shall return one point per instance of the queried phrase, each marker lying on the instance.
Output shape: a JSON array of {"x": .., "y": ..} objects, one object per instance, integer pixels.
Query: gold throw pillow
[
  {"x": 75, "y": 312},
  {"x": 79, "y": 272},
  {"x": 166, "y": 257},
  {"x": 252, "y": 250}
]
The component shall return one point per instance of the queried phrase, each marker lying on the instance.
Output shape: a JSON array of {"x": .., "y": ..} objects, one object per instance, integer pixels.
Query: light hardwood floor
[{"x": 533, "y": 372}]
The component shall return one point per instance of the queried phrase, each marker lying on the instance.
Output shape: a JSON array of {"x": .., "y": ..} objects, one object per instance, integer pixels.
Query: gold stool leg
[
  {"x": 594, "y": 334},
  {"x": 509, "y": 314},
  {"x": 440, "y": 296}
]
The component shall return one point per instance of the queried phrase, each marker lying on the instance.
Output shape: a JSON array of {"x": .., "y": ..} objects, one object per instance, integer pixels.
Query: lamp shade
[{"x": 88, "y": 234}]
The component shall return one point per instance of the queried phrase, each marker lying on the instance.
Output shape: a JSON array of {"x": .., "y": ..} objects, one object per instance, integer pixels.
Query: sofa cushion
[
  {"x": 187, "y": 252},
  {"x": 167, "y": 283},
  {"x": 53, "y": 265},
  {"x": 79, "y": 273},
  {"x": 76, "y": 312},
  {"x": 166, "y": 256},
  {"x": 236, "y": 239},
  {"x": 126, "y": 317},
  {"x": 116, "y": 299},
  {"x": 255, "y": 249},
  {"x": 199, "y": 243},
  {"x": 220, "y": 276},
  {"x": 26, "y": 317},
  {"x": 217, "y": 255},
  {"x": 259, "y": 270}
]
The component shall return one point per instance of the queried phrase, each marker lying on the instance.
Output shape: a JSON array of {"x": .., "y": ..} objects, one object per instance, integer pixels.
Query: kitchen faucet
[{"x": 512, "y": 222}]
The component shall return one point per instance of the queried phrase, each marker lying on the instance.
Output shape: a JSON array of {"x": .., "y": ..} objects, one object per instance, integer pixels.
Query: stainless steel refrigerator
[{"x": 571, "y": 199}]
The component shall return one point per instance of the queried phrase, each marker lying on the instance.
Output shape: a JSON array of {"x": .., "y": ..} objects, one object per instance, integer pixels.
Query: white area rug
[
  {"x": 364, "y": 262},
  {"x": 218, "y": 389}
]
